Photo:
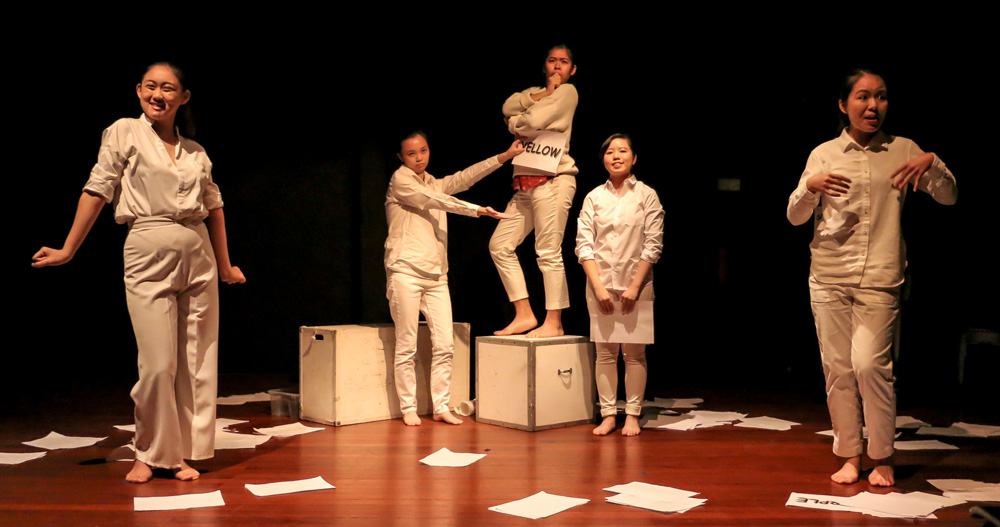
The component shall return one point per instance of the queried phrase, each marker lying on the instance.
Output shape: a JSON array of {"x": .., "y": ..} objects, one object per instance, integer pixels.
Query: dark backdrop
[{"x": 301, "y": 125}]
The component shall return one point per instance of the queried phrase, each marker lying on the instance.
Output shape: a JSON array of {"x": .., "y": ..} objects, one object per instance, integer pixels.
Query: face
[
  {"x": 618, "y": 158},
  {"x": 866, "y": 105},
  {"x": 161, "y": 94},
  {"x": 415, "y": 154},
  {"x": 559, "y": 62}
]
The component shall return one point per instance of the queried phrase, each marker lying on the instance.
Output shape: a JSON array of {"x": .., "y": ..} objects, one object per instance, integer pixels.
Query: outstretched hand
[
  {"x": 830, "y": 184},
  {"x": 47, "y": 256},
  {"x": 516, "y": 149},
  {"x": 912, "y": 170},
  {"x": 489, "y": 211}
]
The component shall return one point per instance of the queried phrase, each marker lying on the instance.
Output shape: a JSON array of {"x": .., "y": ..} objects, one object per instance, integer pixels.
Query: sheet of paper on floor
[
  {"x": 677, "y": 403},
  {"x": 243, "y": 399},
  {"x": 892, "y": 505},
  {"x": 289, "y": 487},
  {"x": 967, "y": 489},
  {"x": 930, "y": 444},
  {"x": 288, "y": 430},
  {"x": 766, "y": 423},
  {"x": 961, "y": 430},
  {"x": 125, "y": 452},
  {"x": 14, "y": 458},
  {"x": 539, "y": 505},
  {"x": 680, "y": 505},
  {"x": 55, "y": 441},
  {"x": 225, "y": 422},
  {"x": 633, "y": 328},
  {"x": 183, "y": 501},
  {"x": 671, "y": 422},
  {"x": 231, "y": 440},
  {"x": 905, "y": 421},
  {"x": 651, "y": 491},
  {"x": 126, "y": 428},
  {"x": 447, "y": 458}
]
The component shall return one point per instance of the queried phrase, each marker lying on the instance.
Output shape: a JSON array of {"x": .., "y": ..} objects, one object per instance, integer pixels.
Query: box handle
[{"x": 560, "y": 372}]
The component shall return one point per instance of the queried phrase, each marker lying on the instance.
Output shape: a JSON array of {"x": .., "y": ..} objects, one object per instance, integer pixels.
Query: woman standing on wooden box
[
  {"x": 541, "y": 203},
  {"x": 853, "y": 187},
  {"x": 619, "y": 238},
  {"x": 416, "y": 265},
  {"x": 160, "y": 183}
]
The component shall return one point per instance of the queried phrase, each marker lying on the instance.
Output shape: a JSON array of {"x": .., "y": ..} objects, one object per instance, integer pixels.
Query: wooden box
[
  {"x": 346, "y": 372},
  {"x": 534, "y": 384}
]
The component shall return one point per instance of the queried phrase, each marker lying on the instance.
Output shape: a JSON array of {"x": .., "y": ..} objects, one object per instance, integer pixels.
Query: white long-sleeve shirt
[
  {"x": 416, "y": 208},
  {"x": 135, "y": 171},
  {"x": 616, "y": 231},
  {"x": 858, "y": 239},
  {"x": 553, "y": 113}
]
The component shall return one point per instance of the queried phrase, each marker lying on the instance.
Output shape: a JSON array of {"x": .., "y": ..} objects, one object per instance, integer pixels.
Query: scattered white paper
[
  {"x": 633, "y": 328},
  {"x": 447, "y": 458},
  {"x": 766, "y": 423},
  {"x": 961, "y": 430},
  {"x": 224, "y": 422},
  {"x": 650, "y": 491},
  {"x": 677, "y": 403},
  {"x": 817, "y": 501},
  {"x": 125, "y": 452},
  {"x": 126, "y": 428},
  {"x": 55, "y": 441},
  {"x": 679, "y": 505},
  {"x": 183, "y": 501},
  {"x": 709, "y": 415},
  {"x": 289, "y": 487},
  {"x": 905, "y": 421},
  {"x": 967, "y": 489},
  {"x": 671, "y": 422},
  {"x": 231, "y": 440},
  {"x": 931, "y": 444},
  {"x": 243, "y": 399},
  {"x": 892, "y": 505},
  {"x": 12, "y": 458},
  {"x": 293, "y": 429},
  {"x": 539, "y": 505}
]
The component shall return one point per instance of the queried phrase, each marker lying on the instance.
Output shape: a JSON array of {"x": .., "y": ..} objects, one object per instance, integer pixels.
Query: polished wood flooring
[{"x": 746, "y": 475}]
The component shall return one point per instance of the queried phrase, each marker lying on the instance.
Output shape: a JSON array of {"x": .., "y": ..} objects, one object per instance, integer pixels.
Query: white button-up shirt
[
  {"x": 416, "y": 208},
  {"x": 135, "y": 171},
  {"x": 616, "y": 231},
  {"x": 858, "y": 239}
]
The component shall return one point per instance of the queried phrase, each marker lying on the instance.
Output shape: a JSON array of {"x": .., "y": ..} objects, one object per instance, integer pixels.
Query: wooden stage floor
[{"x": 746, "y": 475}]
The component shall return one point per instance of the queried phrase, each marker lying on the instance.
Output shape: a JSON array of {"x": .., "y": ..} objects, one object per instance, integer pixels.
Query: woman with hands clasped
[
  {"x": 854, "y": 187},
  {"x": 160, "y": 183},
  {"x": 619, "y": 238}
]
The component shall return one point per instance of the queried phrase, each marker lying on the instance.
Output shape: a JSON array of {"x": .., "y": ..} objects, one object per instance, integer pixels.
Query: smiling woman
[{"x": 160, "y": 183}]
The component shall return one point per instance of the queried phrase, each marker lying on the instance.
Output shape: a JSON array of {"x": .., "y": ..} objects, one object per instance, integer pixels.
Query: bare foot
[
  {"x": 631, "y": 427},
  {"x": 518, "y": 325},
  {"x": 882, "y": 476},
  {"x": 410, "y": 418},
  {"x": 547, "y": 329},
  {"x": 446, "y": 417},
  {"x": 140, "y": 473},
  {"x": 848, "y": 473},
  {"x": 186, "y": 473},
  {"x": 606, "y": 427}
]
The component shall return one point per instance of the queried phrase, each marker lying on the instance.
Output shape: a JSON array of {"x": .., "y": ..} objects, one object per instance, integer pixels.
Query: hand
[
  {"x": 516, "y": 148},
  {"x": 912, "y": 170},
  {"x": 604, "y": 302},
  {"x": 46, "y": 257},
  {"x": 232, "y": 275},
  {"x": 628, "y": 299},
  {"x": 829, "y": 184},
  {"x": 488, "y": 211},
  {"x": 552, "y": 83}
]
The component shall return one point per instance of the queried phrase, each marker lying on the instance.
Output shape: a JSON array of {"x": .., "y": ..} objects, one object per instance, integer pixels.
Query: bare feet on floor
[
  {"x": 606, "y": 427},
  {"x": 882, "y": 476},
  {"x": 447, "y": 417},
  {"x": 410, "y": 418},
  {"x": 517, "y": 326},
  {"x": 186, "y": 473},
  {"x": 547, "y": 329},
  {"x": 848, "y": 473},
  {"x": 631, "y": 427},
  {"x": 140, "y": 473}
]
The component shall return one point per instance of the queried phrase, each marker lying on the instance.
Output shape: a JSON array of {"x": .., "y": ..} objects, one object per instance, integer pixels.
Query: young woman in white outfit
[
  {"x": 161, "y": 185},
  {"x": 541, "y": 203},
  {"x": 416, "y": 265},
  {"x": 853, "y": 188},
  {"x": 618, "y": 239}
]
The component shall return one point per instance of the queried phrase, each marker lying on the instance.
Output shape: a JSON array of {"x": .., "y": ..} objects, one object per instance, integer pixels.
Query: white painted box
[
  {"x": 346, "y": 372},
  {"x": 534, "y": 384}
]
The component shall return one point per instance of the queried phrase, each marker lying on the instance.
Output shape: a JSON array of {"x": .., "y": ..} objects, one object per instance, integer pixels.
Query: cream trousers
[
  {"x": 544, "y": 209},
  {"x": 408, "y": 297},
  {"x": 172, "y": 291},
  {"x": 855, "y": 327},
  {"x": 606, "y": 367}
]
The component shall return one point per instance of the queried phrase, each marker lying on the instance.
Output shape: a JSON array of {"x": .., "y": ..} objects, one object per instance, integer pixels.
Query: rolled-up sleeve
[
  {"x": 585, "y": 230},
  {"x": 803, "y": 202},
  {"x": 116, "y": 147},
  {"x": 210, "y": 194},
  {"x": 652, "y": 245}
]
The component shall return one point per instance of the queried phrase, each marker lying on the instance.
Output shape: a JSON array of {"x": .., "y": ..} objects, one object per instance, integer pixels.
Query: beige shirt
[
  {"x": 858, "y": 239},
  {"x": 553, "y": 113},
  {"x": 135, "y": 172},
  {"x": 416, "y": 209},
  {"x": 616, "y": 231}
]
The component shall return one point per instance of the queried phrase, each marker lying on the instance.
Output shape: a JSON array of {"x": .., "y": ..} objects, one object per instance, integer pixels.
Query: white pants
[
  {"x": 408, "y": 297},
  {"x": 855, "y": 327},
  {"x": 544, "y": 209},
  {"x": 172, "y": 291},
  {"x": 606, "y": 367}
]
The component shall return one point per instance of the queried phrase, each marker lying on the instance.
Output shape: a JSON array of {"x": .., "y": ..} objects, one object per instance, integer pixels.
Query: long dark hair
[{"x": 184, "y": 121}]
